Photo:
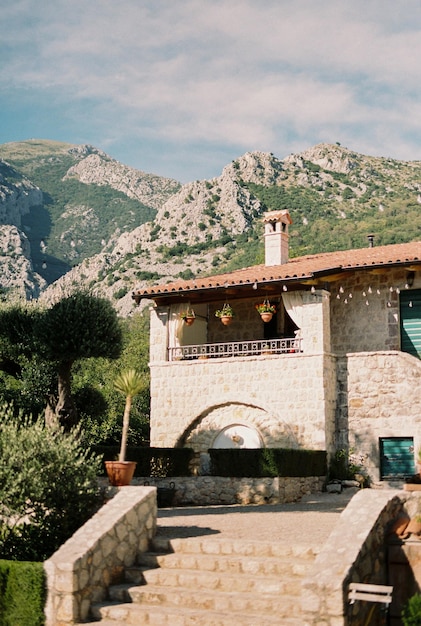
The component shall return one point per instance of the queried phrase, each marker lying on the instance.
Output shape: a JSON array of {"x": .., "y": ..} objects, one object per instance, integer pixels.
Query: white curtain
[
  {"x": 293, "y": 302},
  {"x": 175, "y": 324}
]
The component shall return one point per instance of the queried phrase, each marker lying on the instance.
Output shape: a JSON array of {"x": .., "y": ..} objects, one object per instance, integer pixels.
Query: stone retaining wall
[
  {"x": 221, "y": 490},
  {"x": 354, "y": 552},
  {"x": 80, "y": 572}
]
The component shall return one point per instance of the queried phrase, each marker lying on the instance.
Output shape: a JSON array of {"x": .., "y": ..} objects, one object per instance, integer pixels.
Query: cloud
[{"x": 230, "y": 73}]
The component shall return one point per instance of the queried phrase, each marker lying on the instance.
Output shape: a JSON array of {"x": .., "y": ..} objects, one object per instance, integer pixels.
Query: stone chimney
[{"x": 276, "y": 236}]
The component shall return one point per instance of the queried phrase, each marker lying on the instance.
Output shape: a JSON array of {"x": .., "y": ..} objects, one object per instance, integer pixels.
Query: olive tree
[
  {"x": 80, "y": 326},
  {"x": 35, "y": 339},
  {"x": 48, "y": 486}
]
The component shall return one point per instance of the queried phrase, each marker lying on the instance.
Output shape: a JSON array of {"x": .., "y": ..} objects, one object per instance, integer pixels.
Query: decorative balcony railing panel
[{"x": 235, "y": 348}]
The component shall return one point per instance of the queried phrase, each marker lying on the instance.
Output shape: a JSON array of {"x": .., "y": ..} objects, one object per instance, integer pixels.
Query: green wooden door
[
  {"x": 397, "y": 457},
  {"x": 410, "y": 321}
]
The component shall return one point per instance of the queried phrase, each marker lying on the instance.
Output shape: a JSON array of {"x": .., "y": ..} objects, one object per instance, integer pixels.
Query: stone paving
[{"x": 309, "y": 521}]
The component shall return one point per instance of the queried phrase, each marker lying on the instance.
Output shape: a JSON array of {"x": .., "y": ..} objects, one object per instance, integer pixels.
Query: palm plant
[{"x": 129, "y": 383}]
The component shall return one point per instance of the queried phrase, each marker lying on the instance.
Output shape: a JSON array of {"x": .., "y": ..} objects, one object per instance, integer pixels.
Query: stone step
[
  {"x": 194, "y": 545},
  {"x": 264, "y": 566},
  {"x": 232, "y": 602},
  {"x": 207, "y": 581},
  {"x": 220, "y": 581},
  {"x": 162, "y": 615}
]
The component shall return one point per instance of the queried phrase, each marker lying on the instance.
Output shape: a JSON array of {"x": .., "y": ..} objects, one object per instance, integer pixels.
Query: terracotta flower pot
[
  {"x": 189, "y": 320},
  {"x": 120, "y": 473},
  {"x": 266, "y": 317},
  {"x": 226, "y": 320}
]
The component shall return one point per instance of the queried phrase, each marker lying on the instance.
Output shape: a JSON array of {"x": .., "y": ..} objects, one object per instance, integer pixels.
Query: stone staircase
[{"x": 209, "y": 581}]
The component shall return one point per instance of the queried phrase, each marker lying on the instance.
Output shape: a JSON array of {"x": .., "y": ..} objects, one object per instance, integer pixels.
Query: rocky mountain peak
[
  {"x": 96, "y": 167},
  {"x": 329, "y": 157}
]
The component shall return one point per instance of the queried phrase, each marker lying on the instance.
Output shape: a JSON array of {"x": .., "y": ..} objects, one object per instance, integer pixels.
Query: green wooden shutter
[
  {"x": 410, "y": 321},
  {"x": 396, "y": 457}
]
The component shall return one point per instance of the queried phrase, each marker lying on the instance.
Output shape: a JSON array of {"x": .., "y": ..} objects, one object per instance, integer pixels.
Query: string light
[
  {"x": 285, "y": 288},
  {"x": 370, "y": 289},
  {"x": 313, "y": 289},
  {"x": 341, "y": 289}
]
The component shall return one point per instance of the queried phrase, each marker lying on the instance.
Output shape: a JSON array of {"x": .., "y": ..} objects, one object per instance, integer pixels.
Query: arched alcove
[{"x": 238, "y": 436}]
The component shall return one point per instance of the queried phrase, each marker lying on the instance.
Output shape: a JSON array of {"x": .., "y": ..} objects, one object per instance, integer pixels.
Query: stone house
[{"x": 336, "y": 368}]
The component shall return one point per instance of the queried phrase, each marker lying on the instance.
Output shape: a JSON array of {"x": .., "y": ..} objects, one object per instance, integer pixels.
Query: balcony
[{"x": 235, "y": 348}]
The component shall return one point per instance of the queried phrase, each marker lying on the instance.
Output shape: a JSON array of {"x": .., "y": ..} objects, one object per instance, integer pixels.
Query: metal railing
[{"x": 235, "y": 348}]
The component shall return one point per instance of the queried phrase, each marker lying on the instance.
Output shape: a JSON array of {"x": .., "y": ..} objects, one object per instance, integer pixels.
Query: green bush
[
  {"x": 267, "y": 462},
  {"x": 48, "y": 487},
  {"x": 411, "y": 614},
  {"x": 22, "y": 594}
]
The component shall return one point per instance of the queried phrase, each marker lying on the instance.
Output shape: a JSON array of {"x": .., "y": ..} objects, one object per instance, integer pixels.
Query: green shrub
[
  {"x": 48, "y": 487},
  {"x": 411, "y": 614},
  {"x": 267, "y": 462},
  {"x": 22, "y": 594}
]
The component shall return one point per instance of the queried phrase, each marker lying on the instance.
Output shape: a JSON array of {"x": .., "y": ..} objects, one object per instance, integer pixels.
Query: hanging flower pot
[
  {"x": 266, "y": 317},
  {"x": 188, "y": 317},
  {"x": 225, "y": 314},
  {"x": 266, "y": 310}
]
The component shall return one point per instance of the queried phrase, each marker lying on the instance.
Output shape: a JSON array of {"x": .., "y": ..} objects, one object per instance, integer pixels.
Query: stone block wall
[
  {"x": 286, "y": 398},
  {"x": 80, "y": 572},
  {"x": 224, "y": 490},
  {"x": 354, "y": 552},
  {"x": 365, "y": 311},
  {"x": 379, "y": 396}
]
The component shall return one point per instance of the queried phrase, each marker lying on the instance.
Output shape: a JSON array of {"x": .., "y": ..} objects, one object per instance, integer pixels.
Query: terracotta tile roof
[{"x": 296, "y": 270}]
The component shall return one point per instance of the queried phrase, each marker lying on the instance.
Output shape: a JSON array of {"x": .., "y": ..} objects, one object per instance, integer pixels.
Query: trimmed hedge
[
  {"x": 156, "y": 462},
  {"x": 22, "y": 593},
  {"x": 270, "y": 462}
]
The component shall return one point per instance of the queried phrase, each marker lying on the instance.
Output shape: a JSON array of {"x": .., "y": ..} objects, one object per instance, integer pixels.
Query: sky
[{"x": 180, "y": 88}]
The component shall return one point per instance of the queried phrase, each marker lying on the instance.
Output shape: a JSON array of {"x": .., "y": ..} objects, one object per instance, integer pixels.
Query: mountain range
[{"x": 72, "y": 216}]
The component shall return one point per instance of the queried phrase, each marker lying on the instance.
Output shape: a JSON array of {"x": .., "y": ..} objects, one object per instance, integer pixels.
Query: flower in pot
[
  {"x": 266, "y": 310},
  {"x": 130, "y": 383},
  {"x": 225, "y": 314},
  {"x": 188, "y": 316}
]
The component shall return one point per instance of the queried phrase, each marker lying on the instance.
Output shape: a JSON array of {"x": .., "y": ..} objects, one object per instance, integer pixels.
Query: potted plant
[
  {"x": 188, "y": 316},
  {"x": 130, "y": 383},
  {"x": 225, "y": 314},
  {"x": 266, "y": 310}
]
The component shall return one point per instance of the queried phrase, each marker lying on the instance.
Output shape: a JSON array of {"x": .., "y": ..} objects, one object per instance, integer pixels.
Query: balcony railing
[{"x": 235, "y": 348}]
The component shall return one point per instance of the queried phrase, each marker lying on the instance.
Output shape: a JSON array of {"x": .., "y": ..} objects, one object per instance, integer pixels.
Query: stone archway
[
  {"x": 207, "y": 427},
  {"x": 255, "y": 426}
]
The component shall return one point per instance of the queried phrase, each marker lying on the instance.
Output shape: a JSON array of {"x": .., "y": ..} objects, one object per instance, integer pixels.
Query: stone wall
[
  {"x": 221, "y": 490},
  {"x": 81, "y": 571},
  {"x": 354, "y": 552},
  {"x": 286, "y": 398},
  {"x": 379, "y": 396},
  {"x": 365, "y": 310}
]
